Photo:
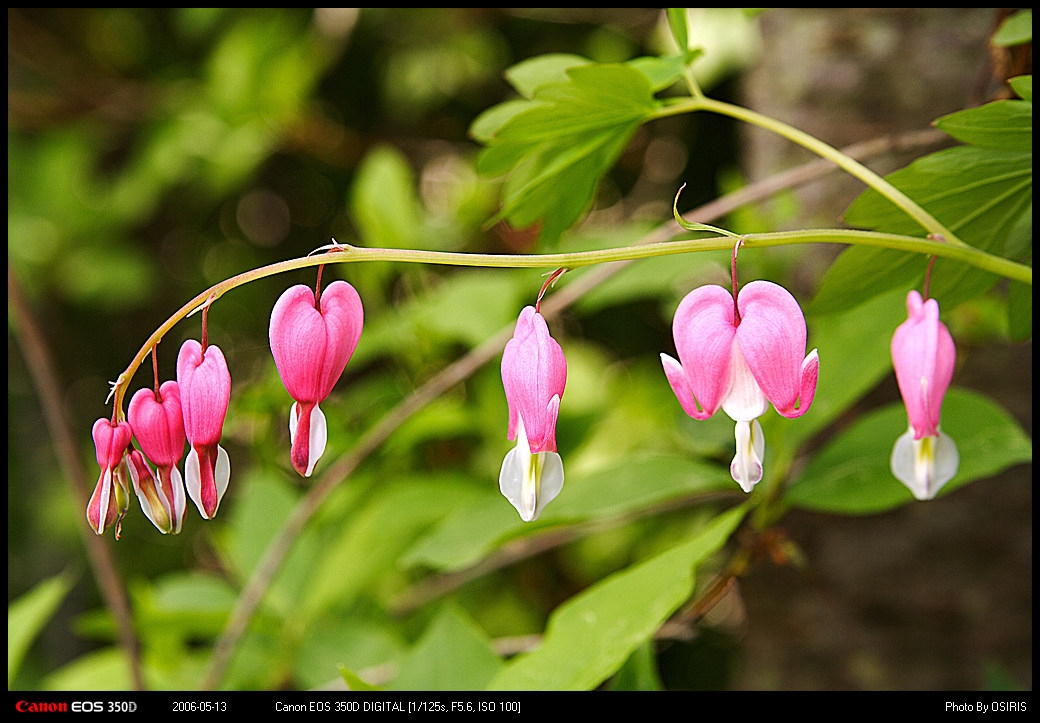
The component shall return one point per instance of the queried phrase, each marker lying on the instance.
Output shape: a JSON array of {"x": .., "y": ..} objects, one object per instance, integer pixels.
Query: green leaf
[
  {"x": 589, "y": 637},
  {"x": 181, "y": 607},
  {"x": 487, "y": 125},
  {"x": 593, "y": 97},
  {"x": 851, "y": 475},
  {"x": 979, "y": 193},
  {"x": 470, "y": 533},
  {"x": 1016, "y": 29},
  {"x": 662, "y": 72},
  {"x": 529, "y": 75},
  {"x": 105, "y": 669},
  {"x": 253, "y": 526},
  {"x": 1020, "y": 296},
  {"x": 383, "y": 201},
  {"x": 354, "y": 682},
  {"x": 467, "y": 535},
  {"x": 28, "y": 615},
  {"x": 1020, "y": 311},
  {"x": 556, "y": 187},
  {"x": 453, "y": 654},
  {"x": 640, "y": 670},
  {"x": 1023, "y": 86},
  {"x": 490, "y": 302},
  {"x": 568, "y": 136},
  {"x": 677, "y": 24},
  {"x": 966, "y": 187},
  {"x": 1003, "y": 124}
]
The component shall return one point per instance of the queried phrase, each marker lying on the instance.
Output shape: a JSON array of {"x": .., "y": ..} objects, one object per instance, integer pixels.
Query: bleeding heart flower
[
  {"x": 923, "y": 354},
  {"x": 741, "y": 357},
  {"x": 111, "y": 497},
  {"x": 162, "y": 501},
  {"x": 534, "y": 374},
  {"x": 312, "y": 342},
  {"x": 159, "y": 428},
  {"x": 205, "y": 392}
]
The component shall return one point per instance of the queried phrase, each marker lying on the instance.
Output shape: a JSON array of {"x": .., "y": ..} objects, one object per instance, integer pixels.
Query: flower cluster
[
  {"x": 313, "y": 335},
  {"x": 191, "y": 409},
  {"x": 737, "y": 352}
]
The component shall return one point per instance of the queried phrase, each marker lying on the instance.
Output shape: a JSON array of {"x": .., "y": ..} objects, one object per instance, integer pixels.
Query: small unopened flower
[
  {"x": 162, "y": 501},
  {"x": 312, "y": 341},
  {"x": 111, "y": 497},
  {"x": 534, "y": 374},
  {"x": 205, "y": 391},
  {"x": 923, "y": 354},
  {"x": 159, "y": 428},
  {"x": 740, "y": 357}
]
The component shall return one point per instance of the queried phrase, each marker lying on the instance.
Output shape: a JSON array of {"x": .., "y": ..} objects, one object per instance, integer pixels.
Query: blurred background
[{"x": 155, "y": 152}]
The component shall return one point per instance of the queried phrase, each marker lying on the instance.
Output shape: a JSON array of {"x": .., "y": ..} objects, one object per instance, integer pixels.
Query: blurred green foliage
[{"x": 154, "y": 152}]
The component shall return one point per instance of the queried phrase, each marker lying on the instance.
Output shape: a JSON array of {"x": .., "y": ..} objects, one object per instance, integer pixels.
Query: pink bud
[
  {"x": 159, "y": 428},
  {"x": 205, "y": 387},
  {"x": 534, "y": 374},
  {"x": 158, "y": 424},
  {"x": 110, "y": 497},
  {"x": 923, "y": 354}
]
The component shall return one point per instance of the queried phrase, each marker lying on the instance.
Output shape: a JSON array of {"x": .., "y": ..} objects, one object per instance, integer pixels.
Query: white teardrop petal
[
  {"x": 746, "y": 467},
  {"x": 318, "y": 439}
]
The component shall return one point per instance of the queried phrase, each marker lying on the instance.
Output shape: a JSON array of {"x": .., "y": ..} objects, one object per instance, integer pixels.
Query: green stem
[
  {"x": 352, "y": 254},
  {"x": 851, "y": 166}
]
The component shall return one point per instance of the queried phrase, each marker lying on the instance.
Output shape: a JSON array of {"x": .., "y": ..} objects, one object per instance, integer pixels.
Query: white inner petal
[
  {"x": 530, "y": 481},
  {"x": 746, "y": 467},
  {"x": 319, "y": 438},
  {"x": 745, "y": 400},
  {"x": 924, "y": 465}
]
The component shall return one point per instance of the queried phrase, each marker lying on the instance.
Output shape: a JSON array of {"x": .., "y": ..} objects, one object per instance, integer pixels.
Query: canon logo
[{"x": 45, "y": 706}]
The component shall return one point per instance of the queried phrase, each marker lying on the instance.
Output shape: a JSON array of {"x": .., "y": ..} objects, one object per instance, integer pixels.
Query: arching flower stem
[{"x": 353, "y": 254}]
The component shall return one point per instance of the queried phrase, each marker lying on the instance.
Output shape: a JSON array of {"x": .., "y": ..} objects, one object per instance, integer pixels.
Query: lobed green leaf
[
  {"x": 569, "y": 134},
  {"x": 529, "y": 75}
]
